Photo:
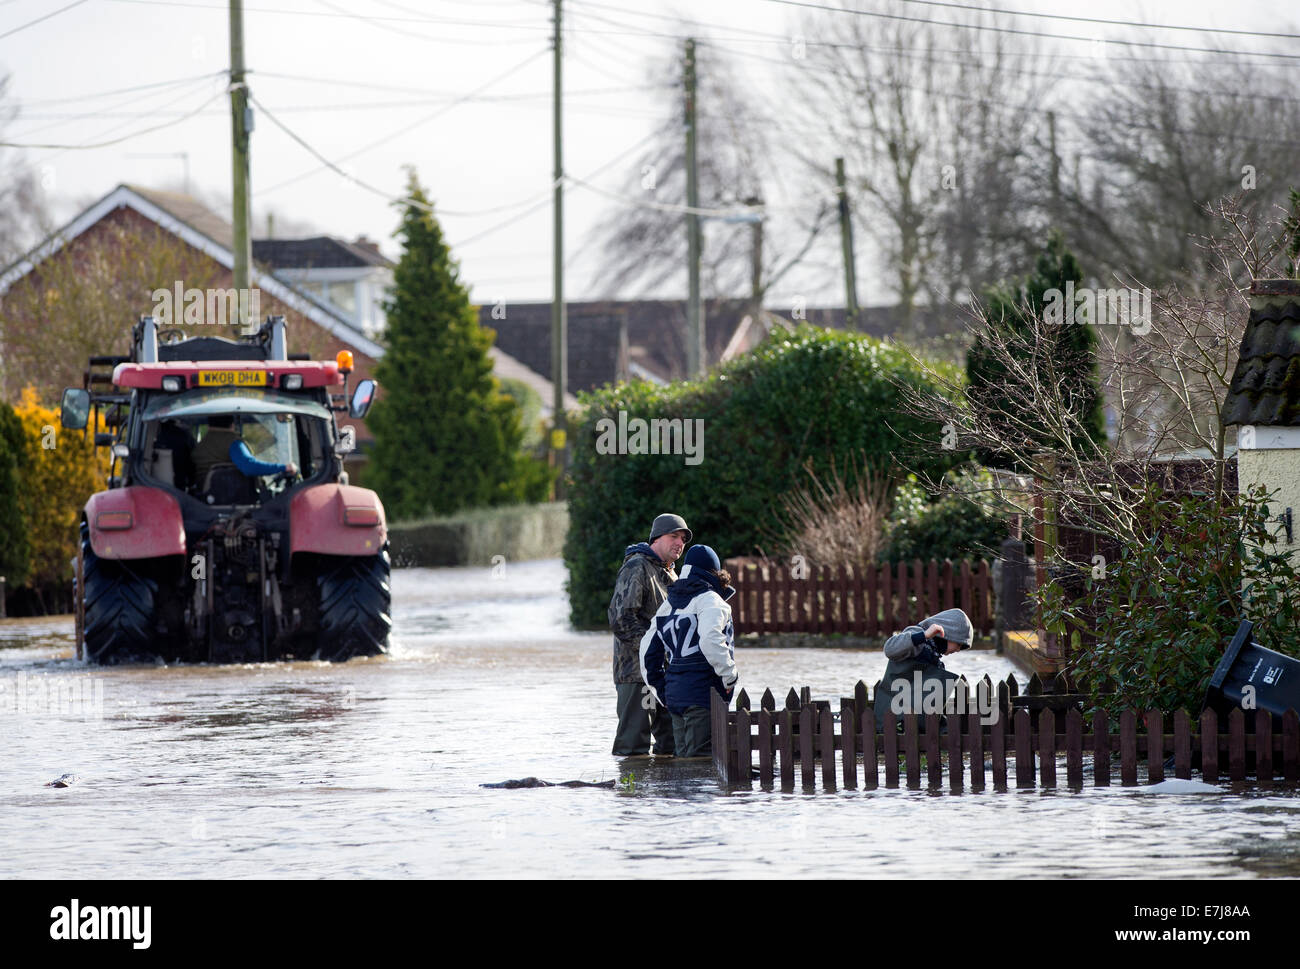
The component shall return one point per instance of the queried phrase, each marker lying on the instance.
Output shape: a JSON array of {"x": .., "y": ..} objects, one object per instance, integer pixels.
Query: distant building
[
  {"x": 328, "y": 290},
  {"x": 351, "y": 279},
  {"x": 612, "y": 340},
  {"x": 1263, "y": 401}
]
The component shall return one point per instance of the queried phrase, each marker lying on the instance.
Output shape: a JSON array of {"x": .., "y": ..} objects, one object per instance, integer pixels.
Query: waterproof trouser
[
  {"x": 637, "y": 723},
  {"x": 693, "y": 733}
]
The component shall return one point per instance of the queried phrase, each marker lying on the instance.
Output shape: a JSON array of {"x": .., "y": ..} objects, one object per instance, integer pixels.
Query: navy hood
[{"x": 697, "y": 577}]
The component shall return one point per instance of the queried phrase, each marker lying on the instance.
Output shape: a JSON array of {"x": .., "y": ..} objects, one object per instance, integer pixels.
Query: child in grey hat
[{"x": 919, "y": 650}]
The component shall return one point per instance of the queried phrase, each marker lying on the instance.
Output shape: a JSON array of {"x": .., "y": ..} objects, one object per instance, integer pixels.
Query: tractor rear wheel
[
  {"x": 355, "y": 602},
  {"x": 118, "y": 603}
]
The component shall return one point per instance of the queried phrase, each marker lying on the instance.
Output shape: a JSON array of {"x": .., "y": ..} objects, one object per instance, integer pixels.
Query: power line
[
  {"x": 443, "y": 21},
  {"x": 451, "y": 95},
  {"x": 1031, "y": 33},
  {"x": 403, "y": 130},
  {"x": 124, "y": 90},
  {"x": 32, "y": 23},
  {"x": 378, "y": 22},
  {"x": 1217, "y": 136},
  {"x": 1101, "y": 20},
  {"x": 533, "y": 208},
  {"x": 116, "y": 141},
  {"x": 743, "y": 211},
  {"x": 189, "y": 89}
]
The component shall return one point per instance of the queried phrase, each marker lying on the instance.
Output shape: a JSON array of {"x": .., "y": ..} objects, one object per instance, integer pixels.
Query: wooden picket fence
[
  {"x": 879, "y": 601},
  {"x": 1031, "y": 732}
]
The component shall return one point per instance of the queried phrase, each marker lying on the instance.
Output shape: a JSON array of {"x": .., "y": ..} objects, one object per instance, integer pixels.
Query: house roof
[
  {"x": 1265, "y": 387},
  {"x": 206, "y": 231},
  {"x": 318, "y": 252},
  {"x": 200, "y": 227},
  {"x": 506, "y": 366}
]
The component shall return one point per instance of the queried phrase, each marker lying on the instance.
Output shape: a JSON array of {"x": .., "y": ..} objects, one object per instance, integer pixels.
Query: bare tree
[
  {"x": 643, "y": 247},
  {"x": 1154, "y": 150},
  {"x": 1166, "y": 373},
  {"x": 23, "y": 214},
  {"x": 940, "y": 133}
]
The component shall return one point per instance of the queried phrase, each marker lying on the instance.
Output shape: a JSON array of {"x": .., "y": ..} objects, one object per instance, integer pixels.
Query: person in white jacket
[{"x": 689, "y": 649}]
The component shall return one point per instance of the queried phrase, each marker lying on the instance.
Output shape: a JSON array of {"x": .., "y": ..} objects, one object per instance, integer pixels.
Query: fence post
[
  {"x": 1047, "y": 747},
  {"x": 1290, "y": 746},
  {"x": 807, "y": 727},
  {"x": 976, "y": 734},
  {"x": 1128, "y": 747},
  {"x": 911, "y": 745},
  {"x": 827, "y": 744},
  {"x": 891, "y": 745},
  {"x": 765, "y": 748},
  {"x": 786, "y": 742},
  {"x": 1263, "y": 746},
  {"x": 1237, "y": 745},
  {"x": 1155, "y": 722},
  {"x": 867, "y": 717},
  {"x": 1074, "y": 748},
  {"x": 848, "y": 740},
  {"x": 718, "y": 735},
  {"x": 744, "y": 761},
  {"x": 1024, "y": 750},
  {"x": 1210, "y": 746},
  {"x": 1182, "y": 745}
]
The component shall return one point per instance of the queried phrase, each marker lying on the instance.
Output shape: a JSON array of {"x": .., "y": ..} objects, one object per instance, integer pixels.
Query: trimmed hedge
[{"x": 810, "y": 393}]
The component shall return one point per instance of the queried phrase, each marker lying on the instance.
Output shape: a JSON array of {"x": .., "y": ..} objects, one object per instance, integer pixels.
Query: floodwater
[{"x": 373, "y": 769}]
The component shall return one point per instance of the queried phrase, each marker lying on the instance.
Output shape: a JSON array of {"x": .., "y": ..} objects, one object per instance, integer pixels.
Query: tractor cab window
[{"x": 233, "y": 454}]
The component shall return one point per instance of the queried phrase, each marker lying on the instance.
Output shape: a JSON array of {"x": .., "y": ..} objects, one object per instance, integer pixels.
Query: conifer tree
[
  {"x": 446, "y": 436},
  {"x": 1013, "y": 315}
]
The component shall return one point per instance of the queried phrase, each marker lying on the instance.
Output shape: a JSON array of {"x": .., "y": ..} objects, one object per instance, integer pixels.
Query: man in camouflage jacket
[{"x": 641, "y": 586}]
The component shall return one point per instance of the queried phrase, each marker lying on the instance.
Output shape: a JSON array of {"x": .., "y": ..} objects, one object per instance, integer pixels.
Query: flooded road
[{"x": 373, "y": 769}]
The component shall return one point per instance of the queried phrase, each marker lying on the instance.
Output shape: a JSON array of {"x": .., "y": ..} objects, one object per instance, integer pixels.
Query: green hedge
[
  {"x": 955, "y": 526},
  {"x": 810, "y": 394}
]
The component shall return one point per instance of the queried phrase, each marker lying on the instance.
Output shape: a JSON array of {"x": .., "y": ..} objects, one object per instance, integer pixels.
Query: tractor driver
[{"x": 223, "y": 445}]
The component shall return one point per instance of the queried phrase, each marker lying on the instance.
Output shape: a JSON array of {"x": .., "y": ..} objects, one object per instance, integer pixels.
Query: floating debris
[
  {"x": 1179, "y": 785},
  {"x": 66, "y": 780}
]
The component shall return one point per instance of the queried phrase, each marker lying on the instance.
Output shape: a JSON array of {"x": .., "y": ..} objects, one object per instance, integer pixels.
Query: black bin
[{"x": 1275, "y": 678}]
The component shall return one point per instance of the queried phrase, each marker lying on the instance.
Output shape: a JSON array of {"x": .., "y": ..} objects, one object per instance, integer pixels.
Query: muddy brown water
[{"x": 373, "y": 769}]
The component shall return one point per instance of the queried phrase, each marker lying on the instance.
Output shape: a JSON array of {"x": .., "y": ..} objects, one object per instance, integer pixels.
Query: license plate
[{"x": 232, "y": 378}]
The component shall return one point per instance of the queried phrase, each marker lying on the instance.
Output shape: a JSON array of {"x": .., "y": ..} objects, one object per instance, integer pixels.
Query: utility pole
[
  {"x": 559, "y": 318},
  {"x": 756, "y": 262},
  {"x": 241, "y": 117},
  {"x": 846, "y": 241},
  {"x": 1056, "y": 164},
  {"x": 697, "y": 360}
]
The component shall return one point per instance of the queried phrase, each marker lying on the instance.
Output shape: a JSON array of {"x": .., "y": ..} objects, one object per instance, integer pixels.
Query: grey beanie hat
[
  {"x": 669, "y": 523},
  {"x": 956, "y": 625}
]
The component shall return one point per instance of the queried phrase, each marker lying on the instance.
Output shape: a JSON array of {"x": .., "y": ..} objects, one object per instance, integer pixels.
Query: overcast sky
[{"x": 372, "y": 85}]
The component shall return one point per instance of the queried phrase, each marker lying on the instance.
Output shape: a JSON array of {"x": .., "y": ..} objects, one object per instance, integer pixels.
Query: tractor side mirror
[
  {"x": 76, "y": 409},
  {"x": 362, "y": 399}
]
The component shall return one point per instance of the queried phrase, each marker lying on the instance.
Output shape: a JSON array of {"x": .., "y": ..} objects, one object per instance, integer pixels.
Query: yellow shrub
[{"x": 62, "y": 471}]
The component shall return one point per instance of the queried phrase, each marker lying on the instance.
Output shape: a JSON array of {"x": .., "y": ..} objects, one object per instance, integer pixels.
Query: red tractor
[{"x": 229, "y": 532}]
